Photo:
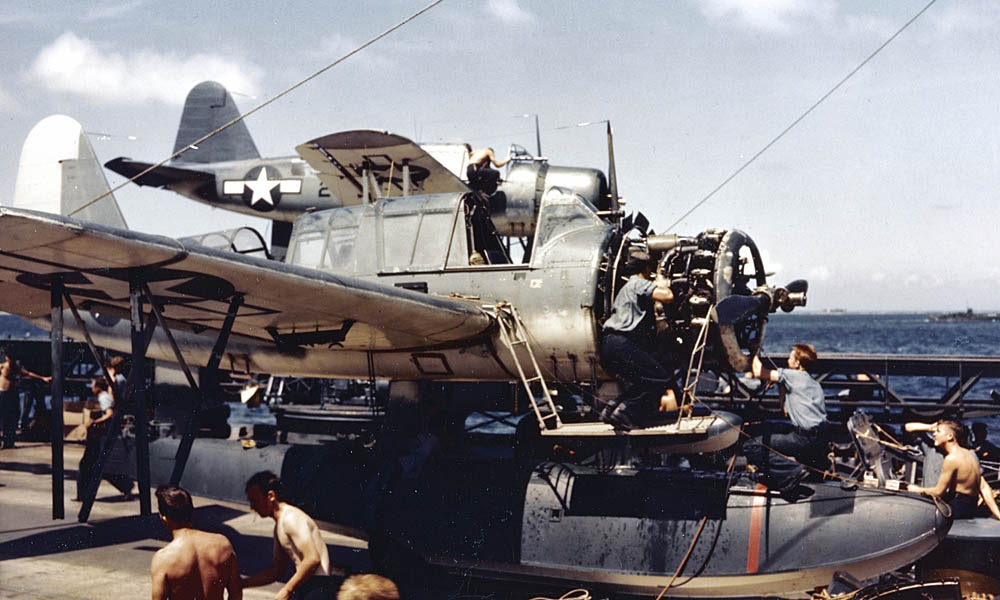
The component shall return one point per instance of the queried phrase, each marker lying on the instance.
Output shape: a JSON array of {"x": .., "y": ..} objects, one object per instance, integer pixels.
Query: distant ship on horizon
[{"x": 968, "y": 315}]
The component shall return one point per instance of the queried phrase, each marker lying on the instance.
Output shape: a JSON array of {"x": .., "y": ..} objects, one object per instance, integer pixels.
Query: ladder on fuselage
[
  {"x": 707, "y": 433},
  {"x": 514, "y": 336}
]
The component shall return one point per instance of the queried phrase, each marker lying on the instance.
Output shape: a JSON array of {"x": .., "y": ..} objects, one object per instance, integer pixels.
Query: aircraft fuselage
[
  {"x": 425, "y": 249},
  {"x": 281, "y": 189},
  {"x": 558, "y": 293}
]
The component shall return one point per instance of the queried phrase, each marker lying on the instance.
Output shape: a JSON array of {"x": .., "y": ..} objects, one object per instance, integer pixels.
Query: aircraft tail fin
[
  {"x": 209, "y": 106},
  {"x": 59, "y": 173}
]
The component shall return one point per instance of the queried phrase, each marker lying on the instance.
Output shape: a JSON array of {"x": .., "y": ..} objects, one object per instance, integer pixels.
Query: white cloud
[
  {"x": 45, "y": 14},
  {"x": 336, "y": 45},
  {"x": 19, "y": 15},
  {"x": 780, "y": 16},
  {"x": 79, "y": 66},
  {"x": 945, "y": 20},
  {"x": 878, "y": 276},
  {"x": 8, "y": 104},
  {"x": 962, "y": 18},
  {"x": 103, "y": 10},
  {"x": 878, "y": 27},
  {"x": 819, "y": 273},
  {"x": 509, "y": 11}
]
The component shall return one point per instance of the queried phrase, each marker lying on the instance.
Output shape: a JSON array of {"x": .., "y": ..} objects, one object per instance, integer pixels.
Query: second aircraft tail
[{"x": 209, "y": 106}]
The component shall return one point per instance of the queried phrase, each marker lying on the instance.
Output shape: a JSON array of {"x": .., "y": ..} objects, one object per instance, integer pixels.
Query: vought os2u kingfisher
[{"x": 414, "y": 281}]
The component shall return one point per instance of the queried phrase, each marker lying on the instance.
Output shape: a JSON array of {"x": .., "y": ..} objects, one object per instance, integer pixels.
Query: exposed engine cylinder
[{"x": 702, "y": 271}]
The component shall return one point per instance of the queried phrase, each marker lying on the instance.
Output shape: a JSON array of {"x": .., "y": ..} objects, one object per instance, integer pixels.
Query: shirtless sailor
[
  {"x": 295, "y": 536},
  {"x": 196, "y": 564},
  {"x": 960, "y": 484}
]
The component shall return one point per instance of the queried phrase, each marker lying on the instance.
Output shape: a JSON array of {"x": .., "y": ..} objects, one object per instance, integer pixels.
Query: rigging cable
[
  {"x": 195, "y": 143},
  {"x": 694, "y": 542},
  {"x": 801, "y": 117}
]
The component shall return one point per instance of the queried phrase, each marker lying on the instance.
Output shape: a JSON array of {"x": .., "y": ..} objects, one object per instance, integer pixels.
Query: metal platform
[{"x": 707, "y": 433}]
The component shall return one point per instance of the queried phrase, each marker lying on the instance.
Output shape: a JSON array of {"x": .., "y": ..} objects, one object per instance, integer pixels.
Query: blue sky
[{"x": 884, "y": 198}]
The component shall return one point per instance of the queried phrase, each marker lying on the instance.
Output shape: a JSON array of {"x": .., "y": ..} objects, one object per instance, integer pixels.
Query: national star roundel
[{"x": 262, "y": 188}]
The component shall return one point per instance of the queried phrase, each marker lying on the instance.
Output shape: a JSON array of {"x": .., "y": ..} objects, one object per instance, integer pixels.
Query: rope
[
  {"x": 938, "y": 504},
  {"x": 801, "y": 117},
  {"x": 824, "y": 594},
  {"x": 577, "y": 594},
  {"x": 687, "y": 555},
  {"x": 260, "y": 106},
  {"x": 893, "y": 443}
]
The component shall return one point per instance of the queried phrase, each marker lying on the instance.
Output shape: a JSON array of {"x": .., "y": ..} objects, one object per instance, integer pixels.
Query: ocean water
[
  {"x": 881, "y": 334},
  {"x": 905, "y": 333},
  {"x": 889, "y": 334}
]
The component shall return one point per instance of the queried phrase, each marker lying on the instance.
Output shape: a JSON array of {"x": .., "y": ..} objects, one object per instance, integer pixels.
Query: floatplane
[{"x": 415, "y": 283}]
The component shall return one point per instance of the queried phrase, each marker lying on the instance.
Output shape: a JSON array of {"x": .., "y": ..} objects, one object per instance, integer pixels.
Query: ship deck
[{"x": 108, "y": 557}]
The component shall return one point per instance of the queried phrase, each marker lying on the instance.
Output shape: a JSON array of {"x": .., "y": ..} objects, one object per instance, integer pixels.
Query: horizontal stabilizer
[
  {"x": 158, "y": 177},
  {"x": 282, "y": 305}
]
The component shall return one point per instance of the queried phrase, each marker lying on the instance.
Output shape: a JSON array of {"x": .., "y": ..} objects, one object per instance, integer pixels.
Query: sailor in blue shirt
[
  {"x": 628, "y": 350},
  {"x": 805, "y": 437}
]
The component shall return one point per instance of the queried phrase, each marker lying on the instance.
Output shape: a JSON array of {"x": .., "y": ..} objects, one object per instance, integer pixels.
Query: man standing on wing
[{"x": 295, "y": 536}]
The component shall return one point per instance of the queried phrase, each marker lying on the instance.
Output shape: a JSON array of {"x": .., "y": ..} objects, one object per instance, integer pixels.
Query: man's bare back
[
  {"x": 7, "y": 373},
  {"x": 197, "y": 565},
  {"x": 10, "y": 370},
  {"x": 965, "y": 468}
]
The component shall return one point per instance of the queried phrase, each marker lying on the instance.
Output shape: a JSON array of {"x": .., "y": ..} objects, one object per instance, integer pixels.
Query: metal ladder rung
[{"x": 512, "y": 334}]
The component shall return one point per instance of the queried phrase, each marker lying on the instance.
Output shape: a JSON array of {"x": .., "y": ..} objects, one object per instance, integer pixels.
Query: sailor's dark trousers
[
  {"x": 9, "y": 407},
  {"x": 318, "y": 587},
  {"x": 804, "y": 445},
  {"x": 642, "y": 376}
]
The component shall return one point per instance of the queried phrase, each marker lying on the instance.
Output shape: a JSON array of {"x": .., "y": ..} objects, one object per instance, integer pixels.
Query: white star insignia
[{"x": 262, "y": 187}]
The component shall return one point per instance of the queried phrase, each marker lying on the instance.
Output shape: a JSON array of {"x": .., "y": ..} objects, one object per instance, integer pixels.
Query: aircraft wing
[
  {"x": 158, "y": 177},
  {"x": 340, "y": 157},
  {"x": 282, "y": 304}
]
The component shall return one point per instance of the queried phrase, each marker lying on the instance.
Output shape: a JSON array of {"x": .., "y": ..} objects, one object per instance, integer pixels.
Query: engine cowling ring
[{"x": 728, "y": 270}]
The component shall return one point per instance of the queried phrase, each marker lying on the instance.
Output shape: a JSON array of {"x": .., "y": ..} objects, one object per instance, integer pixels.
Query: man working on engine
[
  {"x": 627, "y": 348},
  {"x": 805, "y": 437}
]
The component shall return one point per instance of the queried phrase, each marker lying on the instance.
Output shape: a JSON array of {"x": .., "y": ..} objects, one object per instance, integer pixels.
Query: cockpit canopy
[
  {"x": 440, "y": 232},
  {"x": 412, "y": 234}
]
